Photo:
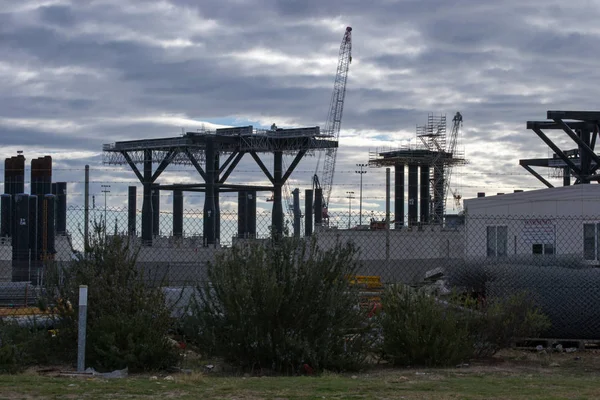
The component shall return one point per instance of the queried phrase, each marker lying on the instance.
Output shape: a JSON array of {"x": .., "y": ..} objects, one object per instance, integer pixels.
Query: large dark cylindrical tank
[
  {"x": 18, "y": 176},
  {"x": 34, "y": 227},
  {"x": 8, "y": 176},
  {"x": 46, "y": 174},
  {"x": 20, "y": 239},
  {"x": 5, "y": 214},
  {"x": 48, "y": 233},
  {"x": 318, "y": 204},
  {"x": 61, "y": 207}
]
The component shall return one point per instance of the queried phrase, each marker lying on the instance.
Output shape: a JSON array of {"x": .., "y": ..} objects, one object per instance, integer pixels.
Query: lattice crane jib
[
  {"x": 457, "y": 122},
  {"x": 334, "y": 117}
]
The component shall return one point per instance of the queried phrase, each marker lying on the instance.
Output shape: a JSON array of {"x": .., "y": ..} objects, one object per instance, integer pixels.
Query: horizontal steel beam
[
  {"x": 554, "y": 125},
  {"x": 577, "y": 115}
]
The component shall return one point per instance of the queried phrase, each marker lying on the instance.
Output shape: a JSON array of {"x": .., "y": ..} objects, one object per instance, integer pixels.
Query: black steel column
[
  {"x": 585, "y": 158},
  {"x": 566, "y": 176},
  {"x": 217, "y": 202},
  {"x": 61, "y": 207},
  {"x": 399, "y": 195},
  {"x": 318, "y": 207},
  {"x": 209, "y": 195},
  {"x": 277, "y": 215},
  {"x": 424, "y": 194},
  {"x": 297, "y": 212},
  {"x": 251, "y": 212},
  {"x": 131, "y": 210},
  {"x": 439, "y": 195},
  {"x": 177, "y": 213},
  {"x": 155, "y": 210},
  {"x": 242, "y": 214},
  {"x": 246, "y": 214},
  {"x": 413, "y": 194},
  {"x": 308, "y": 212},
  {"x": 147, "y": 200}
]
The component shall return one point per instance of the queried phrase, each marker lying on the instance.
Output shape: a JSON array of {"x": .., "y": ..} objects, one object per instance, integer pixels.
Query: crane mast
[
  {"x": 456, "y": 125},
  {"x": 334, "y": 117}
]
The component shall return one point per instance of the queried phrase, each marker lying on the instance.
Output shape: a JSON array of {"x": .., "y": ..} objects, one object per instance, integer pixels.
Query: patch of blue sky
[{"x": 234, "y": 121}]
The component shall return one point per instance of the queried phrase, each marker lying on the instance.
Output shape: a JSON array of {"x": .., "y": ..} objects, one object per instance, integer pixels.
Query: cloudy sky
[{"x": 78, "y": 74}]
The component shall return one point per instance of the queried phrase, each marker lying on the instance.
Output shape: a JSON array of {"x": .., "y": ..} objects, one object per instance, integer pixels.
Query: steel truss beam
[{"x": 580, "y": 126}]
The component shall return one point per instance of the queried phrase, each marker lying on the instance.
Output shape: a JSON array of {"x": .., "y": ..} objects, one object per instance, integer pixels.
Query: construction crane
[
  {"x": 334, "y": 119},
  {"x": 456, "y": 126}
]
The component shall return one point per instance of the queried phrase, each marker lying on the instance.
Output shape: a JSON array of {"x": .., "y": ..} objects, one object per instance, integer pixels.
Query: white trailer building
[{"x": 554, "y": 221}]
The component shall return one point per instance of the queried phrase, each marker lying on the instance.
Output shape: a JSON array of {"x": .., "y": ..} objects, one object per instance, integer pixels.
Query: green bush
[
  {"x": 279, "y": 306},
  {"x": 128, "y": 320},
  {"x": 419, "y": 329},
  {"x": 505, "y": 319},
  {"x": 23, "y": 346}
]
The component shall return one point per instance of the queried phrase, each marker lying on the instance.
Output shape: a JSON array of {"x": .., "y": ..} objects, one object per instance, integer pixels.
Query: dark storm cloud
[{"x": 77, "y": 74}]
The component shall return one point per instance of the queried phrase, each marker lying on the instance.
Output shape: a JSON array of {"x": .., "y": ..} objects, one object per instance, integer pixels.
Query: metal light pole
[
  {"x": 361, "y": 172},
  {"x": 349, "y": 197},
  {"x": 105, "y": 191}
]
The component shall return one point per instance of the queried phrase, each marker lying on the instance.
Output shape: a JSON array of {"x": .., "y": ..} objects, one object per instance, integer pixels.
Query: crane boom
[
  {"x": 456, "y": 125},
  {"x": 334, "y": 117}
]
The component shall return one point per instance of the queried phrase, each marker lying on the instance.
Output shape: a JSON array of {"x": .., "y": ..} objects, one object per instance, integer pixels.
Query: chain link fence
[{"x": 552, "y": 259}]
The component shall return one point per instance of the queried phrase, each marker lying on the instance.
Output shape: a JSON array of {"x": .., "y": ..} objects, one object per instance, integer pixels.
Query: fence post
[{"x": 83, "y": 294}]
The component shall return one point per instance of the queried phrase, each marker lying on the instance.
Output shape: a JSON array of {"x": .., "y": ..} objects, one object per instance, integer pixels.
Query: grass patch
[{"x": 508, "y": 381}]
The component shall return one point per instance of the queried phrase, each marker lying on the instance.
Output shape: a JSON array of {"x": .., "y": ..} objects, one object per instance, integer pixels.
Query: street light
[
  {"x": 361, "y": 172},
  {"x": 105, "y": 191},
  {"x": 349, "y": 197}
]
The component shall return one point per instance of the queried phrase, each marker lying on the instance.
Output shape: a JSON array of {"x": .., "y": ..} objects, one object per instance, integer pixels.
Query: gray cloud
[{"x": 79, "y": 74}]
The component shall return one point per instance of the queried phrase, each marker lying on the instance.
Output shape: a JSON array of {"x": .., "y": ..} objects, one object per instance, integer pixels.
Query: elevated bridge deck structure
[
  {"x": 215, "y": 155},
  {"x": 580, "y": 162},
  {"x": 429, "y": 171}
]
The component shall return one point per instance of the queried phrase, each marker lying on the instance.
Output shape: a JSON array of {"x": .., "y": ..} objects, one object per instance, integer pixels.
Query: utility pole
[
  {"x": 105, "y": 191},
  {"x": 361, "y": 172},
  {"x": 349, "y": 197}
]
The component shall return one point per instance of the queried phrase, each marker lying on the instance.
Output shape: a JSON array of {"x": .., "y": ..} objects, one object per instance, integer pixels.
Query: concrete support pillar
[
  {"x": 413, "y": 194},
  {"x": 424, "y": 207},
  {"x": 399, "y": 195}
]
